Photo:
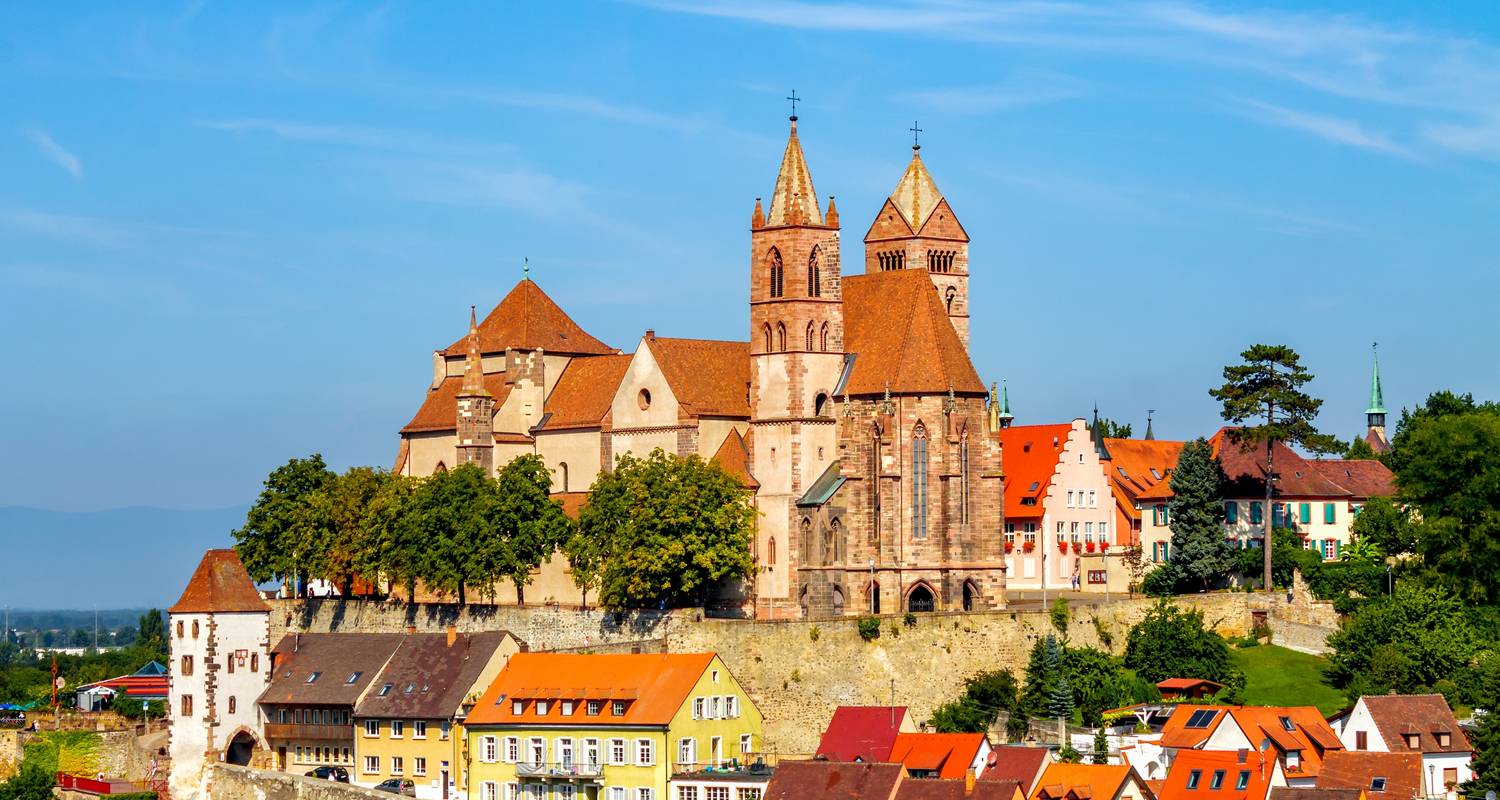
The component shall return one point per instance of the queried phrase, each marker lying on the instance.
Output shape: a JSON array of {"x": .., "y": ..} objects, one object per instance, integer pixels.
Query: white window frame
[
  {"x": 372, "y": 765},
  {"x": 536, "y": 751},
  {"x": 714, "y": 706},
  {"x": 518, "y": 707},
  {"x": 747, "y": 744},
  {"x": 419, "y": 766},
  {"x": 512, "y": 749},
  {"x": 732, "y": 706},
  {"x": 619, "y": 751},
  {"x": 698, "y": 708},
  {"x": 398, "y": 727},
  {"x": 645, "y": 753},
  {"x": 419, "y": 729},
  {"x": 396, "y": 765},
  {"x": 487, "y": 749},
  {"x": 687, "y": 750},
  {"x": 567, "y": 708},
  {"x": 541, "y": 707},
  {"x": 645, "y": 793},
  {"x": 592, "y": 752},
  {"x": 372, "y": 729}
]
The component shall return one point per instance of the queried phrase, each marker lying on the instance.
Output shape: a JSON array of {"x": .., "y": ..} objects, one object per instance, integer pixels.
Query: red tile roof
[
  {"x": 948, "y": 754},
  {"x": 583, "y": 393},
  {"x": 1083, "y": 781},
  {"x": 1206, "y": 763},
  {"x": 654, "y": 686},
  {"x": 1136, "y": 466},
  {"x": 439, "y": 411},
  {"x": 901, "y": 338},
  {"x": 1245, "y": 466},
  {"x": 1362, "y": 477},
  {"x": 1351, "y": 769},
  {"x": 734, "y": 456},
  {"x": 861, "y": 733},
  {"x": 1187, "y": 684},
  {"x": 527, "y": 319},
  {"x": 219, "y": 585},
  {"x": 1028, "y": 455},
  {"x": 948, "y": 789},
  {"x": 1176, "y": 733},
  {"x": 571, "y": 501},
  {"x": 1013, "y": 763},
  {"x": 709, "y": 377},
  {"x": 1310, "y": 734},
  {"x": 1396, "y": 715},
  {"x": 833, "y": 780}
]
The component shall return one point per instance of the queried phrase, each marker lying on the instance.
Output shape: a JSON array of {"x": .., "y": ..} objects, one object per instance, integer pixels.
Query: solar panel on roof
[{"x": 1201, "y": 718}]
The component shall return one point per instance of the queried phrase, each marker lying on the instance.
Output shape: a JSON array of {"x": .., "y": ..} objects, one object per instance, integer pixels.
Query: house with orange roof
[
  {"x": 1298, "y": 736},
  {"x": 941, "y": 755},
  {"x": 1243, "y": 774},
  {"x": 1058, "y": 509},
  {"x": 852, "y": 411},
  {"x": 1063, "y": 781},
  {"x": 1413, "y": 723},
  {"x": 1134, "y": 469},
  {"x": 611, "y": 727},
  {"x": 1379, "y": 775}
]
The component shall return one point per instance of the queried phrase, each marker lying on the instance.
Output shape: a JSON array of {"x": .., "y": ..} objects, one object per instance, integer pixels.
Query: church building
[{"x": 853, "y": 411}]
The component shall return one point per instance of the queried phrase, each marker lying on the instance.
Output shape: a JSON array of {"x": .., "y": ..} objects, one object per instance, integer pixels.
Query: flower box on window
[
  {"x": 1089, "y": 547},
  {"x": 1028, "y": 547},
  {"x": 1009, "y": 546}
]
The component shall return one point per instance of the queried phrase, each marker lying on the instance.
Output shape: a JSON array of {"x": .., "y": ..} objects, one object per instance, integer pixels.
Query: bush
[
  {"x": 910, "y": 620},
  {"x": 814, "y": 632},
  {"x": 1160, "y": 582},
  {"x": 869, "y": 628},
  {"x": 1059, "y": 616}
]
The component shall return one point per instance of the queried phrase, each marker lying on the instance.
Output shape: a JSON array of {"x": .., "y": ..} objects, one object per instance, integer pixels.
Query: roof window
[
  {"x": 1034, "y": 486},
  {"x": 1377, "y": 784},
  {"x": 1286, "y": 724},
  {"x": 353, "y": 676},
  {"x": 1155, "y": 474},
  {"x": 1193, "y": 778},
  {"x": 385, "y": 689},
  {"x": 314, "y": 677},
  {"x": 1123, "y": 474},
  {"x": 1243, "y": 780}
]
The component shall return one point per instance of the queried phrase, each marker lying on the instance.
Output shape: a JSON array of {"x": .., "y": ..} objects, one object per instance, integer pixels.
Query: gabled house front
[{"x": 1414, "y": 723}]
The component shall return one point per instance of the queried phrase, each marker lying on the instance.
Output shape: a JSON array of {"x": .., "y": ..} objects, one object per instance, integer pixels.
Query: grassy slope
[{"x": 1276, "y": 676}]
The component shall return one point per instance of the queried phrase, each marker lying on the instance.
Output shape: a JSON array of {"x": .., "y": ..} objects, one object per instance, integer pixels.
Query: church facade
[{"x": 853, "y": 411}]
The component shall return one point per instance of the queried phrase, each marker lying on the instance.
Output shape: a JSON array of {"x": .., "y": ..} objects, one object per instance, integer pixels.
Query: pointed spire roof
[
  {"x": 1005, "y": 402},
  {"x": 221, "y": 585},
  {"x": 473, "y": 364},
  {"x": 1150, "y": 435},
  {"x": 916, "y": 195},
  {"x": 527, "y": 319},
  {"x": 1096, "y": 432},
  {"x": 1377, "y": 400},
  {"x": 794, "y": 202}
]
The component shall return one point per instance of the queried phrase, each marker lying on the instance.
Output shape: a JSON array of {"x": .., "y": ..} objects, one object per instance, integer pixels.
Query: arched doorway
[
  {"x": 970, "y": 593},
  {"x": 920, "y": 599},
  {"x": 240, "y": 747},
  {"x": 872, "y": 593},
  {"x": 838, "y": 601}
]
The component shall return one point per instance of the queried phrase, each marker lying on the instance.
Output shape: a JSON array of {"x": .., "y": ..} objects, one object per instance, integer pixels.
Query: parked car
[
  {"x": 397, "y": 786},
  {"x": 329, "y": 773}
]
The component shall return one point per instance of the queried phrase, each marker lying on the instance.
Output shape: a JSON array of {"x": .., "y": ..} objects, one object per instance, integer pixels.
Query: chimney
[
  {"x": 1243, "y": 754},
  {"x": 650, "y": 333},
  {"x": 452, "y": 634},
  {"x": 411, "y": 629},
  {"x": 969, "y": 782}
]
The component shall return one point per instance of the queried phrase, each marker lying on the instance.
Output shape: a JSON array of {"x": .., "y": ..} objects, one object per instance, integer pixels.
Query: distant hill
[{"x": 121, "y": 558}]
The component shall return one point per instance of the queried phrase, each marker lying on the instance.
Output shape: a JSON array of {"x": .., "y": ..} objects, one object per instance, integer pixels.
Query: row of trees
[
  {"x": 26, "y": 674},
  {"x": 654, "y": 531}
]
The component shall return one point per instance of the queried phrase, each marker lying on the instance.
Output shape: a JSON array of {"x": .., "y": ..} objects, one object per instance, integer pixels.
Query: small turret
[
  {"x": 831, "y": 219},
  {"x": 758, "y": 217},
  {"x": 1375, "y": 414},
  {"x": 475, "y": 407}
]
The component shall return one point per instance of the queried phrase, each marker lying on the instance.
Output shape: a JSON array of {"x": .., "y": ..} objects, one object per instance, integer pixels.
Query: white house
[
  {"x": 219, "y": 667},
  {"x": 1412, "y": 723}
]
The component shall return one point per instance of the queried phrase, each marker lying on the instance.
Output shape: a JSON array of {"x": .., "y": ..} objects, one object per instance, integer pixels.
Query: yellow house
[
  {"x": 563, "y": 726},
  {"x": 409, "y": 723}
]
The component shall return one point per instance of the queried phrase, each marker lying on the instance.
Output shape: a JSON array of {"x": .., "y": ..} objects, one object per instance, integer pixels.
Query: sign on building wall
[{"x": 1098, "y": 576}]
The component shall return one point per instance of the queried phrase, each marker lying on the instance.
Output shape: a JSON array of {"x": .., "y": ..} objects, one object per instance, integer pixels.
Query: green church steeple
[{"x": 1377, "y": 401}]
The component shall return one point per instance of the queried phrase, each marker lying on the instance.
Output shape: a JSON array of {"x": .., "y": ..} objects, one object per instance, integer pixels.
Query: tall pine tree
[{"x": 1199, "y": 553}]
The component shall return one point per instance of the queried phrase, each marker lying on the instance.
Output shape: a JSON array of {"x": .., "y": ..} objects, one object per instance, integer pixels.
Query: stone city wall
[
  {"x": 798, "y": 671},
  {"x": 230, "y": 782}
]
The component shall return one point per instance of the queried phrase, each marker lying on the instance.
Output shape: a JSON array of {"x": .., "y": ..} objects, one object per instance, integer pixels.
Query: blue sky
[{"x": 233, "y": 234}]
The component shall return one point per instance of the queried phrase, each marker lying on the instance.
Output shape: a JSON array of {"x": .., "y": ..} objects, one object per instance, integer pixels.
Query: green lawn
[{"x": 1276, "y": 676}]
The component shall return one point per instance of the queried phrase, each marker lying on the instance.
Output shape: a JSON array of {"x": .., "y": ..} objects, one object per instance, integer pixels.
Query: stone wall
[
  {"x": 229, "y": 782},
  {"x": 115, "y": 753},
  {"x": 797, "y": 671}
]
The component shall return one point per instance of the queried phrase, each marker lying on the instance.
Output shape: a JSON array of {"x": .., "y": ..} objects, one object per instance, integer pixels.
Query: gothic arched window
[
  {"x": 780, "y": 338},
  {"x": 814, "y": 279},
  {"x": 875, "y": 486},
  {"x": 809, "y": 337},
  {"x": 963, "y": 488},
  {"x": 777, "y": 273},
  {"x": 805, "y": 542},
  {"x": 766, "y": 331},
  {"x": 562, "y": 474},
  {"x": 950, "y": 294},
  {"x": 837, "y": 531},
  {"x": 823, "y": 344},
  {"x": 919, "y": 482},
  {"x": 771, "y": 552},
  {"x": 828, "y": 546}
]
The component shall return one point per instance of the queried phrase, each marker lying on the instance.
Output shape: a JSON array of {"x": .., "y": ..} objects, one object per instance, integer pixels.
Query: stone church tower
[
  {"x": 916, "y": 229},
  {"x": 796, "y": 357},
  {"x": 476, "y": 408}
]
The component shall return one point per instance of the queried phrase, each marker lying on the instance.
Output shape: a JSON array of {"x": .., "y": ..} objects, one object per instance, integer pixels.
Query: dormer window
[
  {"x": 353, "y": 676},
  {"x": 518, "y": 707},
  {"x": 593, "y": 707},
  {"x": 1444, "y": 738},
  {"x": 314, "y": 677},
  {"x": 541, "y": 708},
  {"x": 567, "y": 708},
  {"x": 1294, "y": 759},
  {"x": 617, "y": 708},
  {"x": 1414, "y": 741}
]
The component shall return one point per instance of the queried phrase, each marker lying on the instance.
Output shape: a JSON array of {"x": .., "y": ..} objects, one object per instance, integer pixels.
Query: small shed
[{"x": 1188, "y": 688}]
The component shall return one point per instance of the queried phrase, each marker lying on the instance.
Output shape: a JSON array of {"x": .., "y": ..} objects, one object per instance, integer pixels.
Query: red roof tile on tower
[
  {"x": 655, "y": 685},
  {"x": 734, "y": 456},
  {"x": 527, "y": 319},
  {"x": 1362, "y": 477},
  {"x": 948, "y": 754},
  {"x": 901, "y": 337},
  {"x": 1351, "y": 769},
  {"x": 833, "y": 780},
  {"x": 1425, "y": 715},
  {"x": 1029, "y": 454},
  {"x": 584, "y": 392},
  {"x": 862, "y": 733},
  {"x": 709, "y": 377},
  {"x": 219, "y": 585},
  {"x": 439, "y": 411}
]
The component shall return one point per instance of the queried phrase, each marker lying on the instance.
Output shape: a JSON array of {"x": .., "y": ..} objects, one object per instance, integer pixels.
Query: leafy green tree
[
  {"x": 1199, "y": 553},
  {"x": 660, "y": 530},
  {"x": 279, "y": 539},
  {"x": 1068, "y": 754},
  {"x": 33, "y": 782},
  {"x": 1486, "y": 739},
  {"x": 960, "y": 717},
  {"x": 1360, "y": 450},
  {"x": 1098, "y": 682},
  {"x": 1114, "y": 430},
  {"x": 152, "y": 634},
  {"x": 340, "y": 512},
  {"x": 1406, "y": 642},
  {"x": 1290, "y": 556},
  {"x": 985, "y": 695},
  {"x": 1448, "y": 469},
  {"x": 1058, "y": 614},
  {"x": 1043, "y": 670},
  {"x": 392, "y": 544},
  {"x": 1268, "y": 387},
  {"x": 1101, "y": 747},
  {"x": 456, "y": 514},
  {"x": 531, "y": 525},
  {"x": 1385, "y": 525},
  {"x": 1172, "y": 643}
]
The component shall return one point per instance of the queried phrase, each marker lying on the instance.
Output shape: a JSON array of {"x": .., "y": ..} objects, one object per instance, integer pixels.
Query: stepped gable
[
  {"x": 901, "y": 338},
  {"x": 656, "y": 684},
  {"x": 219, "y": 585},
  {"x": 527, "y": 319},
  {"x": 794, "y": 202},
  {"x": 734, "y": 456},
  {"x": 584, "y": 392},
  {"x": 439, "y": 411},
  {"x": 710, "y": 378},
  {"x": 1030, "y": 454},
  {"x": 1362, "y": 477}
]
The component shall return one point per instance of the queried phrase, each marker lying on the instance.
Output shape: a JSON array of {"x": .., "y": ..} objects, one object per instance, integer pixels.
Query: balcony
[
  {"x": 559, "y": 769},
  {"x": 284, "y": 731}
]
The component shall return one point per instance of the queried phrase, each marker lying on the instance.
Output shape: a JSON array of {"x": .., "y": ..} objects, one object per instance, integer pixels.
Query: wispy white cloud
[
  {"x": 357, "y": 136},
  {"x": 1026, "y": 89},
  {"x": 95, "y": 230},
  {"x": 1480, "y": 139},
  {"x": 1334, "y": 129},
  {"x": 55, "y": 152}
]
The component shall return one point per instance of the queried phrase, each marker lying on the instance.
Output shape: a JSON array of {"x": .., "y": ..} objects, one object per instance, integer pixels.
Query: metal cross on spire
[
  {"x": 794, "y": 98},
  {"x": 915, "y": 131}
]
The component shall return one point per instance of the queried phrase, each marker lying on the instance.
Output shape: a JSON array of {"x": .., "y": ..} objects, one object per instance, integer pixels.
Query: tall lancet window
[
  {"x": 814, "y": 279},
  {"x": 963, "y": 489},
  {"x": 919, "y": 483},
  {"x": 777, "y": 273}
]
